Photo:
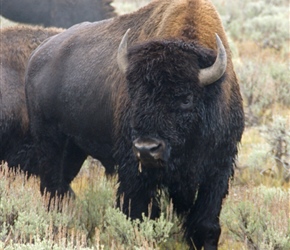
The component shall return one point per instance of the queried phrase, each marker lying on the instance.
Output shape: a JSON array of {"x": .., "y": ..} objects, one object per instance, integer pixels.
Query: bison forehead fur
[
  {"x": 157, "y": 119},
  {"x": 173, "y": 61},
  {"x": 166, "y": 98}
]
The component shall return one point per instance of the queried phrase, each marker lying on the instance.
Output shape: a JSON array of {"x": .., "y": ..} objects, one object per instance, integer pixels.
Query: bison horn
[
  {"x": 211, "y": 74},
  {"x": 122, "y": 58}
]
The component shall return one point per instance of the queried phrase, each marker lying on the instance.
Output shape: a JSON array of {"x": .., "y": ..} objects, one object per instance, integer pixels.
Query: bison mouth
[{"x": 151, "y": 152}]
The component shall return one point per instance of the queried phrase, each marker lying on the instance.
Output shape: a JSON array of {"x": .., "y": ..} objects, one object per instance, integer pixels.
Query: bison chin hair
[{"x": 173, "y": 163}]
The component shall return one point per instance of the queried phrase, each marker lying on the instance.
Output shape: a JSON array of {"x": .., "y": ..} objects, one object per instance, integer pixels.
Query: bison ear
[
  {"x": 122, "y": 57},
  {"x": 211, "y": 74}
]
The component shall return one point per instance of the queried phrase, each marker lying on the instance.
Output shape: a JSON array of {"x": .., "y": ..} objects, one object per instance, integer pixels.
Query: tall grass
[
  {"x": 90, "y": 221},
  {"x": 253, "y": 217}
]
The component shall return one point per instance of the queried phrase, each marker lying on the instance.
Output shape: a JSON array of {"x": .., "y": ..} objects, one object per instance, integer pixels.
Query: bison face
[
  {"x": 164, "y": 112},
  {"x": 166, "y": 97}
]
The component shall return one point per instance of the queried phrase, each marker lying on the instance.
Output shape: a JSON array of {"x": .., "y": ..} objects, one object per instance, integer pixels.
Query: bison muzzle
[{"x": 151, "y": 152}]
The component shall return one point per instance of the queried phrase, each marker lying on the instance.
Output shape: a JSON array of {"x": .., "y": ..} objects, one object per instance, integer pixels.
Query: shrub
[
  {"x": 258, "y": 98},
  {"x": 263, "y": 85},
  {"x": 258, "y": 218},
  {"x": 281, "y": 79},
  {"x": 147, "y": 234},
  {"x": 88, "y": 222},
  {"x": 277, "y": 135},
  {"x": 23, "y": 214},
  {"x": 265, "y": 22}
]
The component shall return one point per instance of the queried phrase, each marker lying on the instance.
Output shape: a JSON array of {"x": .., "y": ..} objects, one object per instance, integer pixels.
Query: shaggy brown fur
[
  {"x": 80, "y": 104},
  {"x": 16, "y": 44}
]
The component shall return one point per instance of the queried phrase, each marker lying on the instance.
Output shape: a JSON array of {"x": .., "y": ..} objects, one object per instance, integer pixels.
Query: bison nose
[{"x": 150, "y": 151}]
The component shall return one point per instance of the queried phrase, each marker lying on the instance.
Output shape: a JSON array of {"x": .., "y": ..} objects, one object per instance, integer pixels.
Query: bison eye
[{"x": 186, "y": 102}]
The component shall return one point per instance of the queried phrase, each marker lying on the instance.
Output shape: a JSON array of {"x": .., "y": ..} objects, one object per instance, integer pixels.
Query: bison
[
  {"x": 17, "y": 43},
  {"x": 160, "y": 105},
  {"x": 58, "y": 13}
]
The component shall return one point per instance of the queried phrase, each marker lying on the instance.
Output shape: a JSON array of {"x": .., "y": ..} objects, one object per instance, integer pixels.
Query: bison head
[{"x": 166, "y": 81}]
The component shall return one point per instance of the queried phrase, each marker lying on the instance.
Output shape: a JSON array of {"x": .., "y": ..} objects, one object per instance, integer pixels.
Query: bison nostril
[
  {"x": 155, "y": 148},
  {"x": 148, "y": 149}
]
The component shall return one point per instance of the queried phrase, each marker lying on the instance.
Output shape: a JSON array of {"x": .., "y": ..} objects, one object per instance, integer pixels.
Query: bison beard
[{"x": 170, "y": 117}]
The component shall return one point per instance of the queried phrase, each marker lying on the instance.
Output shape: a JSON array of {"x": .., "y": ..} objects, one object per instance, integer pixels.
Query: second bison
[
  {"x": 56, "y": 13},
  {"x": 17, "y": 43}
]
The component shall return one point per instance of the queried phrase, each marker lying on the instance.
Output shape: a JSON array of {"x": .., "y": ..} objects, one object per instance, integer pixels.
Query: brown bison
[
  {"x": 162, "y": 107},
  {"x": 58, "y": 13},
  {"x": 16, "y": 44}
]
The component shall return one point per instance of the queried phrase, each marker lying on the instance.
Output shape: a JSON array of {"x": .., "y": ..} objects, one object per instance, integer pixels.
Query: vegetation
[
  {"x": 89, "y": 222},
  {"x": 256, "y": 214},
  {"x": 257, "y": 218}
]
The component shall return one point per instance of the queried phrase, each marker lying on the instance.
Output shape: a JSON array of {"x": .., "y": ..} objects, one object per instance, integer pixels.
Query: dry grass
[{"x": 64, "y": 231}]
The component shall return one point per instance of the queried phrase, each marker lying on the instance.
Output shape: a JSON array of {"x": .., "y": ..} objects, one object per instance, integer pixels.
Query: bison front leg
[
  {"x": 199, "y": 207},
  {"x": 60, "y": 161},
  {"x": 202, "y": 226}
]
